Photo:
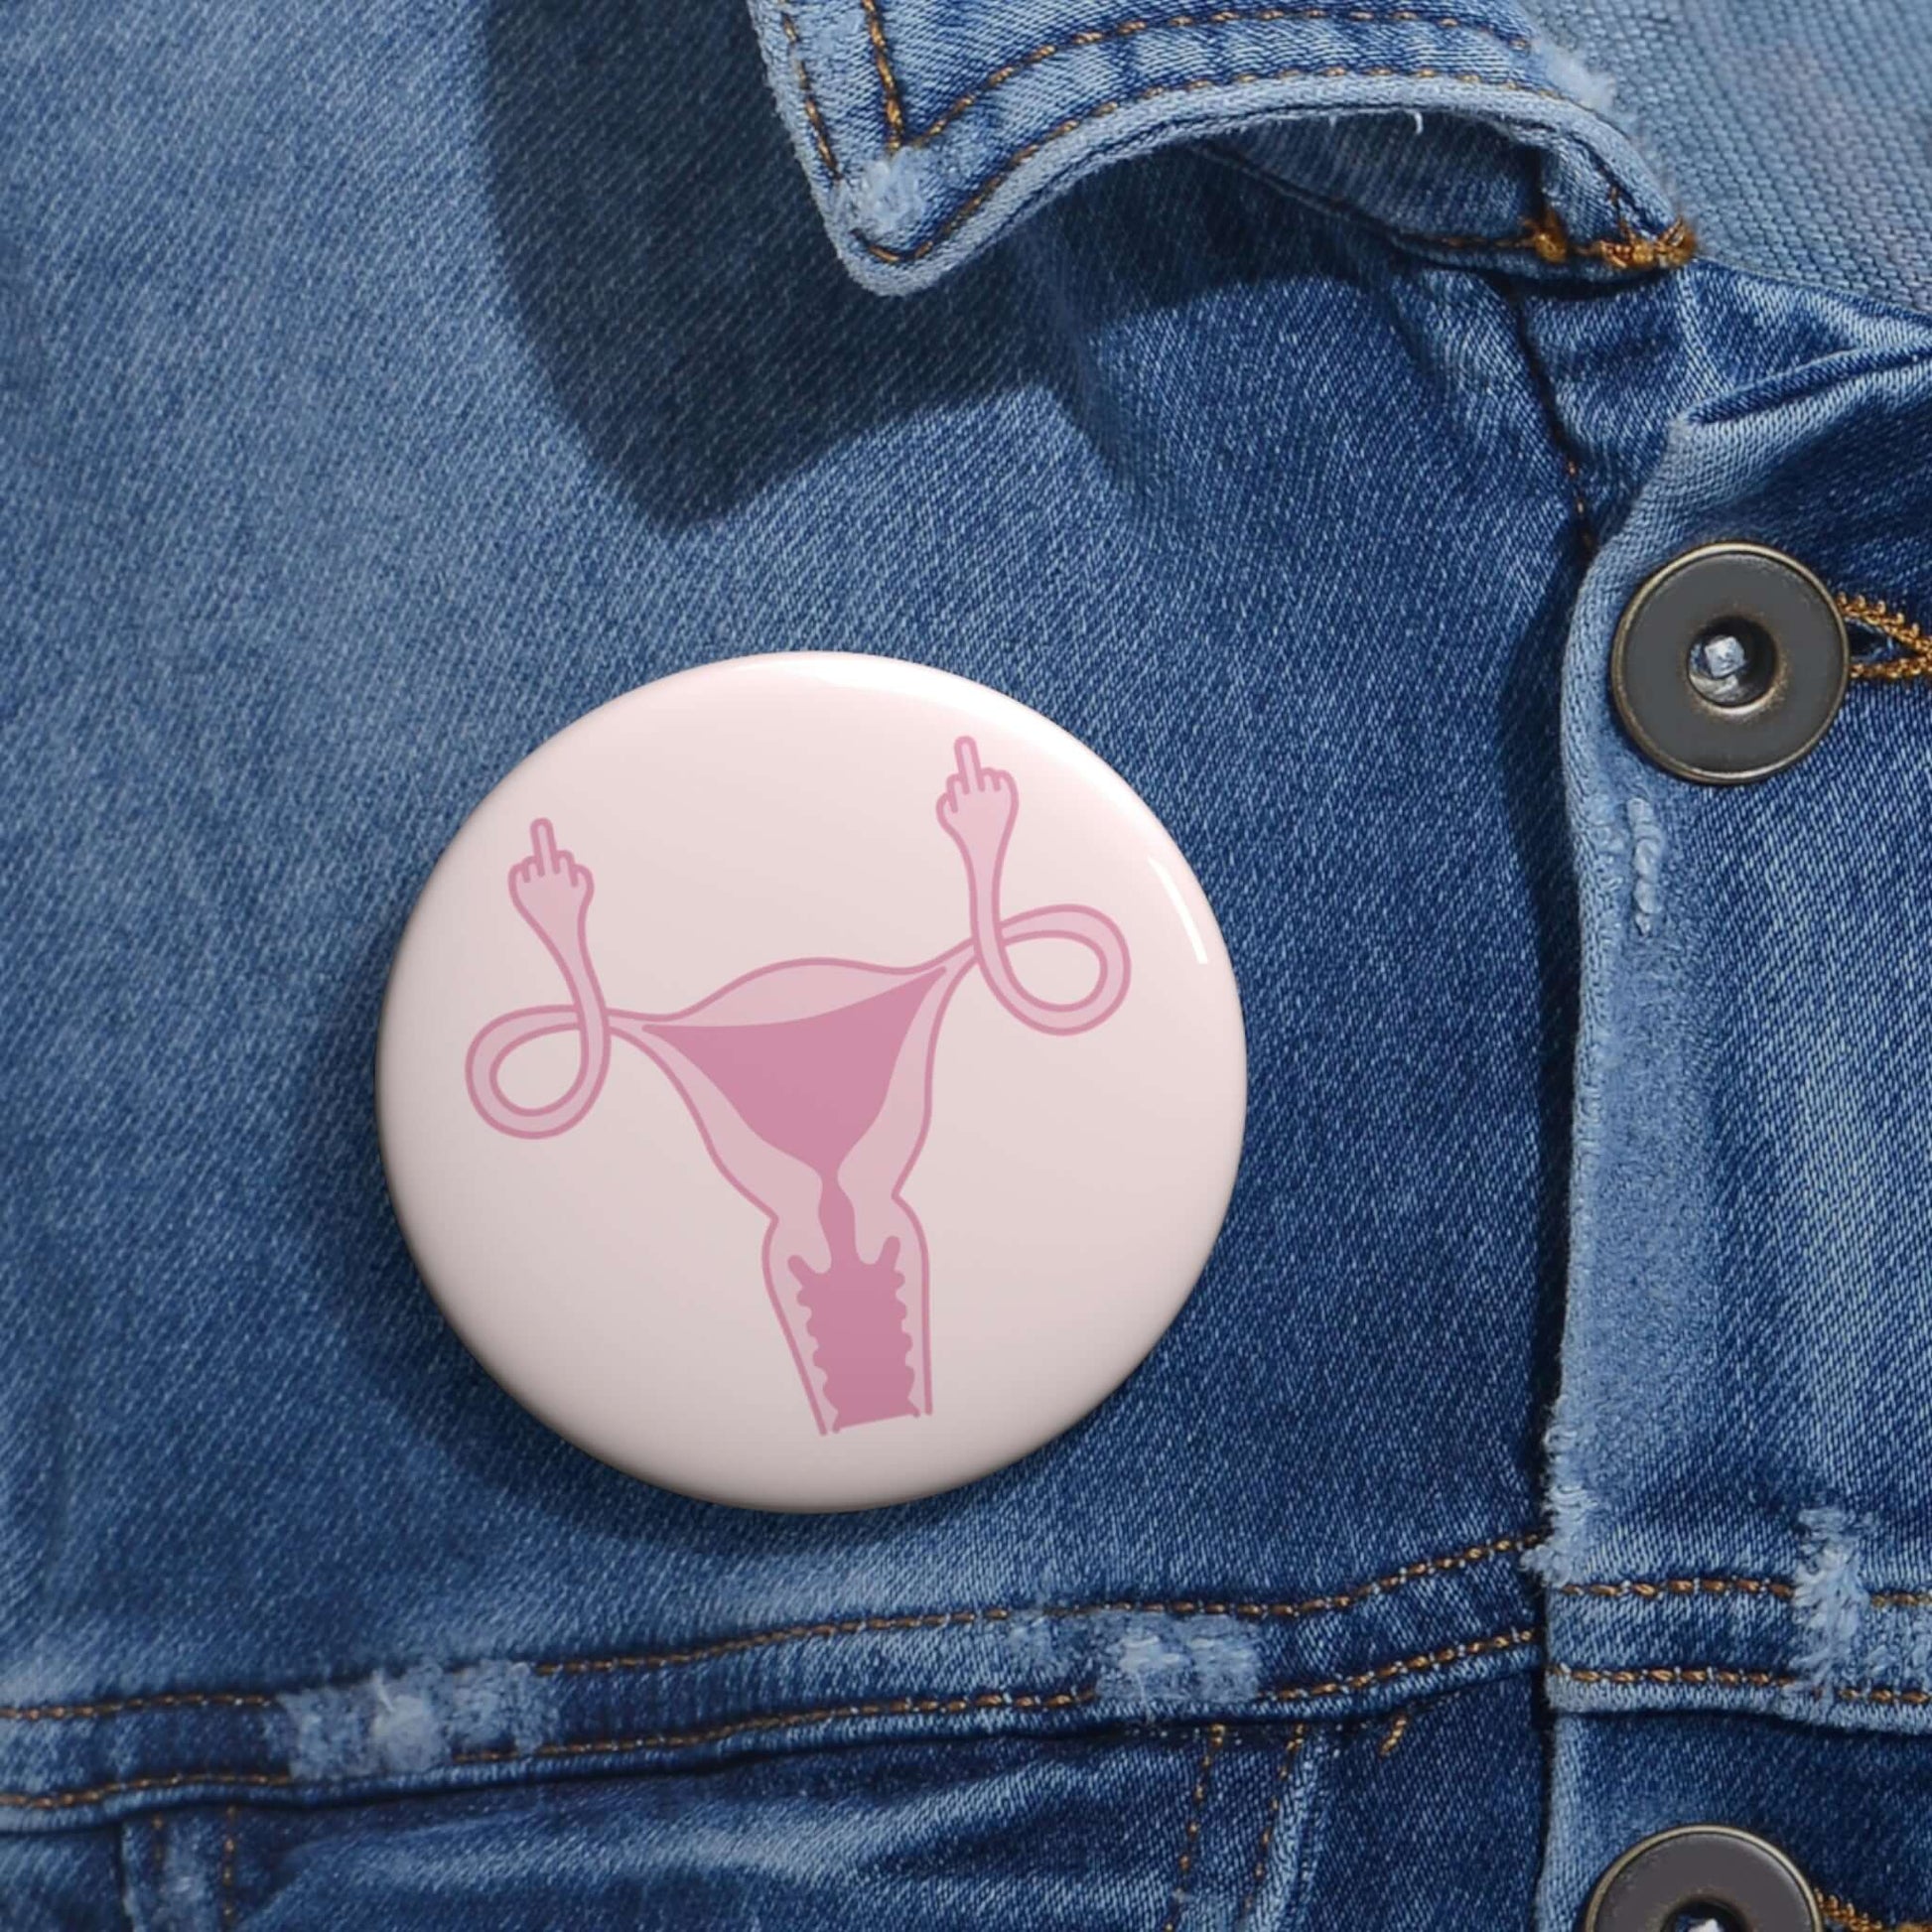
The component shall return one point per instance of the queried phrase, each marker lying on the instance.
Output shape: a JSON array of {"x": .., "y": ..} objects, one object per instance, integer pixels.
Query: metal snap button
[
  {"x": 1730, "y": 1875},
  {"x": 1729, "y": 664}
]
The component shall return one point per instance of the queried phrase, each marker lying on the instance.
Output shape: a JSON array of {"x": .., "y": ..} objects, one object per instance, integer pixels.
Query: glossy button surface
[
  {"x": 1729, "y": 664},
  {"x": 1702, "y": 1869},
  {"x": 811, "y": 1081}
]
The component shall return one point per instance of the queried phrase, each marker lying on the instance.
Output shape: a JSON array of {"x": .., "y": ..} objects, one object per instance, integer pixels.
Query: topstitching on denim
[{"x": 1625, "y": 248}]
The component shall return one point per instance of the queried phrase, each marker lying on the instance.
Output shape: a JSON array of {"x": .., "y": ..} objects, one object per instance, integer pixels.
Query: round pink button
[{"x": 811, "y": 1081}]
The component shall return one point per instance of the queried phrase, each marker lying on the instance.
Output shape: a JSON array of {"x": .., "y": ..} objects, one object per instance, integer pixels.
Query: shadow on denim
[{"x": 677, "y": 288}]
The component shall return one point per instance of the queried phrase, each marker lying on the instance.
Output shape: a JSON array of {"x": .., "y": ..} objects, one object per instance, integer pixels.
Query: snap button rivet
[
  {"x": 1734, "y": 1877},
  {"x": 1729, "y": 664}
]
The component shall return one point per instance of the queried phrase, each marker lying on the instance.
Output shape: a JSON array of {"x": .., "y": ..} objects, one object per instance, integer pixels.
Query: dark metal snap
[
  {"x": 1745, "y": 1885},
  {"x": 1729, "y": 664}
]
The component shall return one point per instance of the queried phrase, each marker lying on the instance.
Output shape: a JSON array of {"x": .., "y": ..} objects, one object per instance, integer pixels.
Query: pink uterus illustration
[{"x": 810, "y": 1081}]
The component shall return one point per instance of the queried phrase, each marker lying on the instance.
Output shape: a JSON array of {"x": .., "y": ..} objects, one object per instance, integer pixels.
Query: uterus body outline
[{"x": 810, "y": 1083}]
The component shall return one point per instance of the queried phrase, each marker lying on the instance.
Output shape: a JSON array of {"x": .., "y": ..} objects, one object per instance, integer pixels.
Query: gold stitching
[
  {"x": 1220, "y": 17},
  {"x": 1732, "y": 1678},
  {"x": 1258, "y": 1874},
  {"x": 905, "y": 1706},
  {"x": 1917, "y": 663},
  {"x": 1630, "y": 251},
  {"x": 1649, "y": 1591},
  {"x": 1579, "y": 504},
  {"x": 1334, "y": 1602},
  {"x": 1218, "y": 1735},
  {"x": 1882, "y": 1693},
  {"x": 1432, "y": 1660},
  {"x": 588, "y": 1747},
  {"x": 1397, "y": 1732},
  {"x": 228, "y": 1865},
  {"x": 882, "y": 62},
  {"x": 1851, "y": 1919},
  {"x": 117, "y": 1706},
  {"x": 1848, "y": 1919},
  {"x": 1625, "y": 1675},
  {"x": 902, "y": 1707},
  {"x": 821, "y": 138},
  {"x": 1654, "y": 1590},
  {"x": 1546, "y": 234},
  {"x": 172, "y": 1781}
]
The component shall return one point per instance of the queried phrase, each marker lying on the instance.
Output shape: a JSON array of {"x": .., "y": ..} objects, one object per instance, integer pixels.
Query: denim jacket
[{"x": 1287, "y": 400}]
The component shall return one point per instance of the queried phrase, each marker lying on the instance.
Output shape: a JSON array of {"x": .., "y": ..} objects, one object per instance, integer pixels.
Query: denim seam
[
  {"x": 903, "y": 1707},
  {"x": 762, "y": 1723},
  {"x": 160, "y": 1781},
  {"x": 1650, "y": 1591},
  {"x": 1179, "y": 23},
  {"x": 891, "y": 102},
  {"x": 1218, "y": 1735},
  {"x": 1555, "y": 428},
  {"x": 1732, "y": 1678},
  {"x": 1542, "y": 235},
  {"x": 882, "y": 62},
  {"x": 1332, "y": 1604},
  {"x": 899, "y": 1706},
  {"x": 1270, "y": 1821},
  {"x": 1432, "y": 1660},
  {"x": 37, "y": 1714},
  {"x": 821, "y": 135},
  {"x": 1655, "y": 1590},
  {"x": 1628, "y": 250},
  {"x": 231, "y": 1833},
  {"x": 1335, "y": 1602},
  {"x": 1019, "y": 158},
  {"x": 1397, "y": 1732}
]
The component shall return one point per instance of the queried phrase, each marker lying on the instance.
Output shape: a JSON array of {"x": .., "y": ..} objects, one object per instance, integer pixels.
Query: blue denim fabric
[
  {"x": 382, "y": 394},
  {"x": 1796, "y": 128},
  {"x": 926, "y": 143}
]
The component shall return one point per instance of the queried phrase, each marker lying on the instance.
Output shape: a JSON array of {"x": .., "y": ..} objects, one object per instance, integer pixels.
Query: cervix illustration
[{"x": 810, "y": 1081}]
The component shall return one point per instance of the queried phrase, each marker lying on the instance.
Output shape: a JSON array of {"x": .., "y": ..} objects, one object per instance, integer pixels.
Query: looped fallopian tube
[{"x": 810, "y": 1081}]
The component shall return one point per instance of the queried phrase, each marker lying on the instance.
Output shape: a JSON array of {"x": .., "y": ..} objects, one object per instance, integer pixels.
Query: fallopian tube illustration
[{"x": 810, "y": 1081}]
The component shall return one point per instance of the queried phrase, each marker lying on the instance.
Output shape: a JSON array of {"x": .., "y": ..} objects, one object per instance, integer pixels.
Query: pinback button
[{"x": 811, "y": 1081}]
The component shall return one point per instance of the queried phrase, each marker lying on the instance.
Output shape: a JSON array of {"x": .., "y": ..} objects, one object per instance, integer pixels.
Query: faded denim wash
[{"x": 1286, "y": 401}]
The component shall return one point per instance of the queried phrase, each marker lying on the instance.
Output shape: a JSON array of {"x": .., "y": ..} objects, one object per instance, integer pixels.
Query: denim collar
[{"x": 927, "y": 127}]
